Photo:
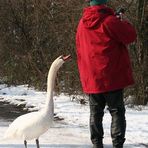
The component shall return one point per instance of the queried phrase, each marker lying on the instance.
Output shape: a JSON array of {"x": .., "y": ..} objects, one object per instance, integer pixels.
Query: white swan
[{"x": 32, "y": 125}]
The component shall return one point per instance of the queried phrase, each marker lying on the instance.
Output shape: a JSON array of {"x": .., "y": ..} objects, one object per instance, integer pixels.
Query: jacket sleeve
[{"x": 121, "y": 31}]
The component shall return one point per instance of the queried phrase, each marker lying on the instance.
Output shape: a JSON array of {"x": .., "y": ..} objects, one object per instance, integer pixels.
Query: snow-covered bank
[{"x": 73, "y": 131}]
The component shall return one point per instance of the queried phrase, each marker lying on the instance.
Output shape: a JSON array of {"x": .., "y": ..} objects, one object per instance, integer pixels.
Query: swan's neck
[{"x": 49, "y": 106}]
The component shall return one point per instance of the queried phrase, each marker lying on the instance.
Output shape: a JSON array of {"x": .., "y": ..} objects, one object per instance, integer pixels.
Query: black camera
[{"x": 120, "y": 11}]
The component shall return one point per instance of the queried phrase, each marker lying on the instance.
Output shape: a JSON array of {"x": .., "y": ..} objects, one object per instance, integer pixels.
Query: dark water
[{"x": 9, "y": 111}]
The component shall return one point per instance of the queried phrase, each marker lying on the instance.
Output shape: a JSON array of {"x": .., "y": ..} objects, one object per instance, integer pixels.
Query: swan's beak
[{"x": 65, "y": 58}]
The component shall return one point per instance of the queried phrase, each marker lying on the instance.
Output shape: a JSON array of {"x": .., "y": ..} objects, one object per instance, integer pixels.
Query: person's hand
[
  {"x": 121, "y": 16},
  {"x": 120, "y": 13}
]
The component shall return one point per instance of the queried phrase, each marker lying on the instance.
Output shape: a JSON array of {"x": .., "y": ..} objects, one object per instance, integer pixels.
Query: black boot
[{"x": 98, "y": 146}]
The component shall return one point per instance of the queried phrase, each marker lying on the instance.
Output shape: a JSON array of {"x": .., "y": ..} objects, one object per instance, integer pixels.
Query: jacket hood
[{"x": 93, "y": 15}]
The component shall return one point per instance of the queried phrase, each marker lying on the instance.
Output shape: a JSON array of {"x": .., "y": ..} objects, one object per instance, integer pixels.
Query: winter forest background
[{"x": 34, "y": 32}]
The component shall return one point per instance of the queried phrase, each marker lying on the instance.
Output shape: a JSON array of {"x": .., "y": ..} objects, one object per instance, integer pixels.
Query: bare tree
[{"x": 34, "y": 32}]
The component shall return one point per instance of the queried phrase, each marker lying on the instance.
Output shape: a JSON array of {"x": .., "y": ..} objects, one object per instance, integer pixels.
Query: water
[{"x": 9, "y": 111}]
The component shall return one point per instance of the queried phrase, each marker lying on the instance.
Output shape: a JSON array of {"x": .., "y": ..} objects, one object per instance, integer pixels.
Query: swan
[{"x": 31, "y": 125}]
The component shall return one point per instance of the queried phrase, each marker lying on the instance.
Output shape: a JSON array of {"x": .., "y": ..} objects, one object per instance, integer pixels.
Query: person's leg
[
  {"x": 115, "y": 102},
  {"x": 97, "y": 105}
]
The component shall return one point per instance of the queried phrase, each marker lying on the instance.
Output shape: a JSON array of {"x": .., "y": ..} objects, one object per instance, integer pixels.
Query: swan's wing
[{"x": 21, "y": 124}]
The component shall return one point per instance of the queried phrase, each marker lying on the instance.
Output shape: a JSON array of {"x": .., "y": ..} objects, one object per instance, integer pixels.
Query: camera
[{"x": 120, "y": 11}]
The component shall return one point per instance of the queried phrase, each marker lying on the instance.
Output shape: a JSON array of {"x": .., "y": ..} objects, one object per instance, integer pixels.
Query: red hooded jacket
[{"x": 102, "y": 54}]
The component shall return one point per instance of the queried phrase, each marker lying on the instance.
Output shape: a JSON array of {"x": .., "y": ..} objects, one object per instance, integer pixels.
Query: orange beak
[{"x": 65, "y": 58}]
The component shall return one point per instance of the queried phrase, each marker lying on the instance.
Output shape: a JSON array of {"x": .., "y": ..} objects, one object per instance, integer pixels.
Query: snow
[{"x": 73, "y": 131}]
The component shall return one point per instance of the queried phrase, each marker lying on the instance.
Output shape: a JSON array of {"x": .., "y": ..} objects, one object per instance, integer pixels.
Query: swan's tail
[
  {"x": 3, "y": 139},
  {"x": 8, "y": 135}
]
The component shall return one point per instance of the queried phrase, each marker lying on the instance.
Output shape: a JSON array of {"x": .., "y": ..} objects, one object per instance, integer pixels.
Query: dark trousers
[{"x": 114, "y": 100}]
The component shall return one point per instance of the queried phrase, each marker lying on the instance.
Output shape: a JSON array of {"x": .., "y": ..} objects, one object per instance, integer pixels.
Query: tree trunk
[{"x": 142, "y": 54}]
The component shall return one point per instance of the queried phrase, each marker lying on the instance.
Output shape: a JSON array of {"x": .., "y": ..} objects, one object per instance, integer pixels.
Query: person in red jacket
[{"x": 104, "y": 67}]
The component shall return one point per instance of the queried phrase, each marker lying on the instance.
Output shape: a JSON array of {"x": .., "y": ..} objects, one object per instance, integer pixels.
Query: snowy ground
[{"x": 73, "y": 131}]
